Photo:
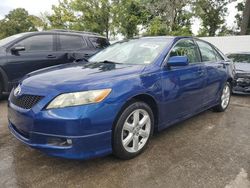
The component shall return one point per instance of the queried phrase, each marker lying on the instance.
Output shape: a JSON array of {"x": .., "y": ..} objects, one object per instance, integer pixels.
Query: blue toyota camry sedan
[{"x": 114, "y": 102}]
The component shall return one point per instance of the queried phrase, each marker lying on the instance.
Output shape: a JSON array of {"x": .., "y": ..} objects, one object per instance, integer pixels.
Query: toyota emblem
[{"x": 17, "y": 91}]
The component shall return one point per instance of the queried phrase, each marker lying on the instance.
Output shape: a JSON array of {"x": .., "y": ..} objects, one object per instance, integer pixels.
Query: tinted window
[
  {"x": 186, "y": 48},
  {"x": 37, "y": 43},
  {"x": 71, "y": 42},
  {"x": 207, "y": 52},
  {"x": 243, "y": 58},
  {"x": 99, "y": 42}
]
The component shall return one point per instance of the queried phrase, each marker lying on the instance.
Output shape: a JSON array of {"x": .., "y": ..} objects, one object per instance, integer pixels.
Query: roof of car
[
  {"x": 77, "y": 32},
  {"x": 63, "y": 31},
  {"x": 166, "y": 37},
  {"x": 157, "y": 37}
]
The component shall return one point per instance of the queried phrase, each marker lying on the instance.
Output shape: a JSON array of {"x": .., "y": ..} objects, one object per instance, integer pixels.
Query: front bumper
[
  {"x": 87, "y": 128},
  {"x": 81, "y": 147},
  {"x": 242, "y": 84}
]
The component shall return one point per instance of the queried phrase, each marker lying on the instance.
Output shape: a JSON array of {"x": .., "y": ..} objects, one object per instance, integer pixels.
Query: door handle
[
  {"x": 220, "y": 66},
  {"x": 201, "y": 72},
  {"x": 51, "y": 56}
]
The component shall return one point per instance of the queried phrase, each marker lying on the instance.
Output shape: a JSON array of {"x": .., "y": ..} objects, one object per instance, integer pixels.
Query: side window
[
  {"x": 37, "y": 43},
  {"x": 98, "y": 42},
  {"x": 186, "y": 48},
  {"x": 71, "y": 42},
  {"x": 218, "y": 55},
  {"x": 207, "y": 52}
]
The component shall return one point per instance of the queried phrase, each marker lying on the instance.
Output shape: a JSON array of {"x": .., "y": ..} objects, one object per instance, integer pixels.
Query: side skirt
[{"x": 165, "y": 125}]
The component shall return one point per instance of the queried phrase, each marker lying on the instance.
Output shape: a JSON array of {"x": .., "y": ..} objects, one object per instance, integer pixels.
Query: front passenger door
[
  {"x": 38, "y": 53},
  {"x": 183, "y": 85}
]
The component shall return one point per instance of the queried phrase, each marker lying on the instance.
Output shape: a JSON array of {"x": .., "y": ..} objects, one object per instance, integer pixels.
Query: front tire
[
  {"x": 224, "y": 99},
  {"x": 133, "y": 130},
  {"x": 1, "y": 90}
]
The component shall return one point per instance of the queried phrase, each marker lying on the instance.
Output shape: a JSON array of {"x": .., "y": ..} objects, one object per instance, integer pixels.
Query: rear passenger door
[
  {"x": 71, "y": 47},
  {"x": 215, "y": 71}
]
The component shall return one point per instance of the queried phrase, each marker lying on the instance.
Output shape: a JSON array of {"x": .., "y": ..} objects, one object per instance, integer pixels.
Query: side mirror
[
  {"x": 177, "y": 61},
  {"x": 17, "y": 49}
]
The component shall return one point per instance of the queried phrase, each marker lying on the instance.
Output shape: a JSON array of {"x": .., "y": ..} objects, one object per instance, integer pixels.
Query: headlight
[
  {"x": 240, "y": 79},
  {"x": 78, "y": 98},
  {"x": 246, "y": 80}
]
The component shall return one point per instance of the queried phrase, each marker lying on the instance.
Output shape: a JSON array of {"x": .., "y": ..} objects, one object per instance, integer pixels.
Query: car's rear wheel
[
  {"x": 133, "y": 130},
  {"x": 224, "y": 99}
]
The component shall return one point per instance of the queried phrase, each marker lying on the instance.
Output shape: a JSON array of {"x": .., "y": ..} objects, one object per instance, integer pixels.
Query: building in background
[{"x": 230, "y": 44}]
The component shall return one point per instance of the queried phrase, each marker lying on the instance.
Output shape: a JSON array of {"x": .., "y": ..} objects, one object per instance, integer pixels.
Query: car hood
[
  {"x": 242, "y": 67},
  {"x": 77, "y": 76}
]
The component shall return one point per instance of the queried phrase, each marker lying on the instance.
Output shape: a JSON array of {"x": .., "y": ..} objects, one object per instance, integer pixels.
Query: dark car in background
[
  {"x": 26, "y": 52},
  {"x": 242, "y": 64}
]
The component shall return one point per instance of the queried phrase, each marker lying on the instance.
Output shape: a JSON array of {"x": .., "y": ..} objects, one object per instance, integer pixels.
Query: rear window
[
  {"x": 98, "y": 42},
  {"x": 71, "y": 42}
]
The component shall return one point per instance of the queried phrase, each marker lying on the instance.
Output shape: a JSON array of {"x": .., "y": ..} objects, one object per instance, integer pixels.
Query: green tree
[
  {"x": 63, "y": 16},
  {"x": 212, "y": 15},
  {"x": 173, "y": 17},
  {"x": 128, "y": 16},
  {"x": 17, "y": 21},
  {"x": 238, "y": 18},
  {"x": 156, "y": 27},
  {"x": 93, "y": 15},
  {"x": 87, "y": 15}
]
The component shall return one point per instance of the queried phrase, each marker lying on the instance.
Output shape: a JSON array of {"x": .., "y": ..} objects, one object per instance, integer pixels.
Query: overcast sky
[{"x": 36, "y": 7}]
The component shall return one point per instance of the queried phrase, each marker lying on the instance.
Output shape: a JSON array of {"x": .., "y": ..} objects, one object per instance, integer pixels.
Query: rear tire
[
  {"x": 133, "y": 130},
  {"x": 224, "y": 98}
]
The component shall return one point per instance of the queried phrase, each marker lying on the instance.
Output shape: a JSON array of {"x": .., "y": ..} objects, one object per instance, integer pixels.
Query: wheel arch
[
  {"x": 4, "y": 79},
  {"x": 231, "y": 82},
  {"x": 144, "y": 97}
]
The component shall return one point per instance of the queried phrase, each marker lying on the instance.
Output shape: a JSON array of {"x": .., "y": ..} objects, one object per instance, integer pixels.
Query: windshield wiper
[
  {"x": 81, "y": 59},
  {"x": 76, "y": 57},
  {"x": 107, "y": 61}
]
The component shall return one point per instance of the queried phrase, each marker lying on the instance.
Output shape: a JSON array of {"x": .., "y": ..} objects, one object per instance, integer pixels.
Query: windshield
[
  {"x": 136, "y": 51},
  {"x": 240, "y": 58},
  {"x": 11, "y": 38}
]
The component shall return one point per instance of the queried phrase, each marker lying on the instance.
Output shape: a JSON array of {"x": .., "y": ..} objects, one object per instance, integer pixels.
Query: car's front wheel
[
  {"x": 224, "y": 99},
  {"x": 1, "y": 90},
  {"x": 133, "y": 130}
]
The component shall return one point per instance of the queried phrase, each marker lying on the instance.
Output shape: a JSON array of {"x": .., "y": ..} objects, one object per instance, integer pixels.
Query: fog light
[
  {"x": 69, "y": 141},
  {"x": 59, "y": 142}
]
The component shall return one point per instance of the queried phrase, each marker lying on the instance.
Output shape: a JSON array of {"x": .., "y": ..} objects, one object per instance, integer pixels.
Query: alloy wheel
[
  {"x": 225, "y": 98},
  {"x": 136, "y": 130}
]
